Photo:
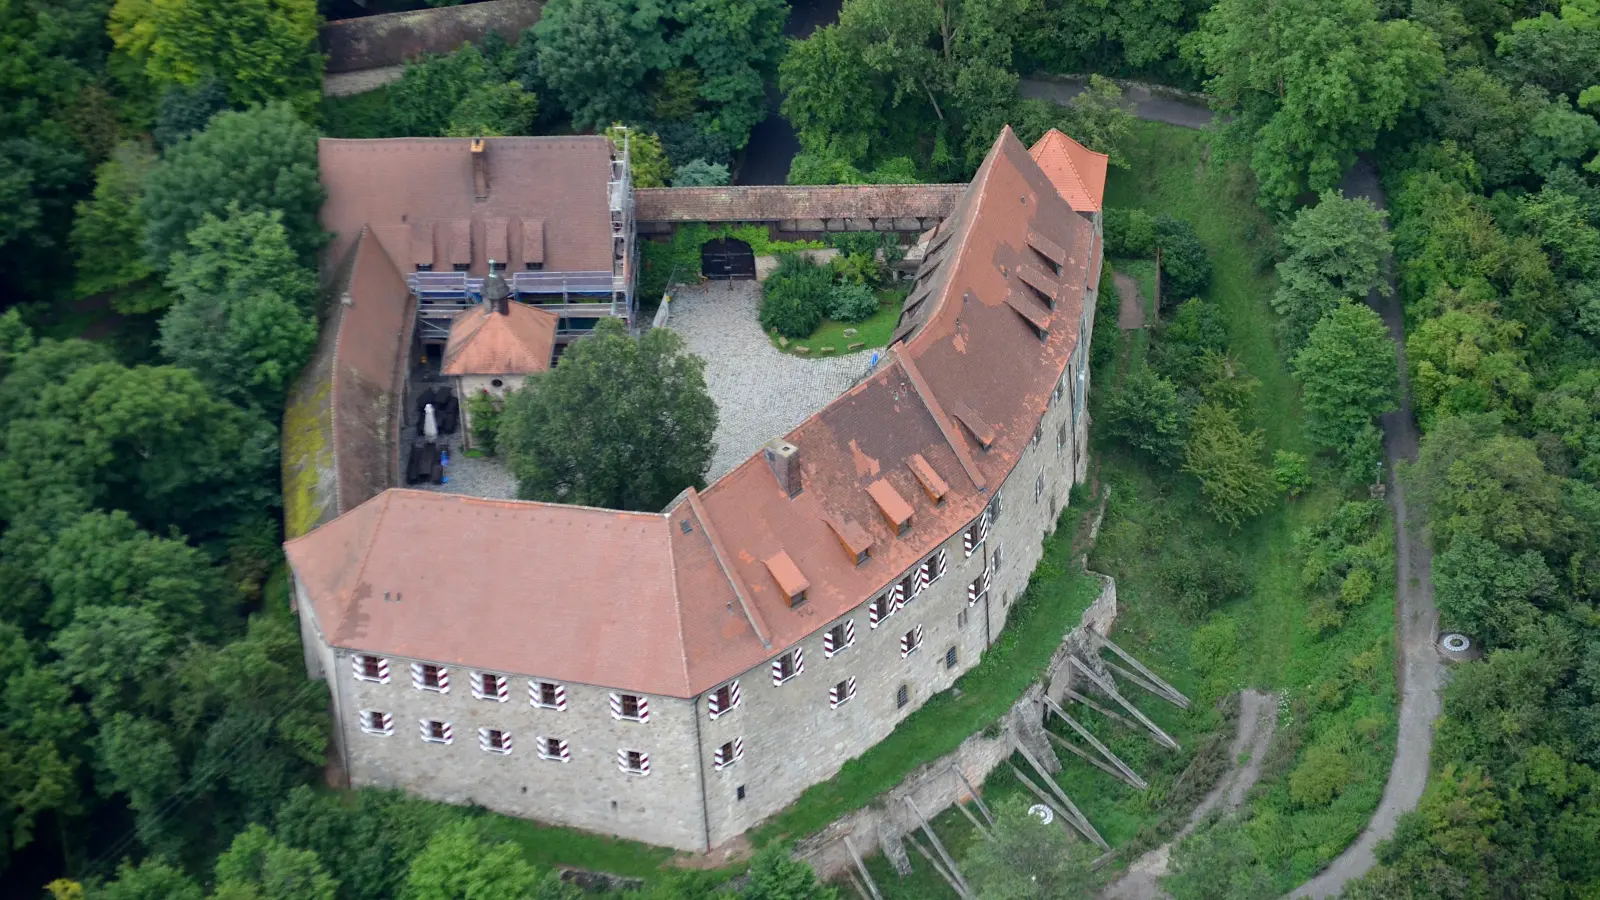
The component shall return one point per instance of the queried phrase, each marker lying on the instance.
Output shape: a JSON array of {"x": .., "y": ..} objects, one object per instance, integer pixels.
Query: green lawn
[
  {"x": 549, "y": 846},
  {"x": 874, "y": 332}
]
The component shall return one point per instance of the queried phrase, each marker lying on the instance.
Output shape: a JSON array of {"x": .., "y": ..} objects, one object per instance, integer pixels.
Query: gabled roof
[
  {"x": 484, "y": 342},
  {"x": 1078, "y": 173}
]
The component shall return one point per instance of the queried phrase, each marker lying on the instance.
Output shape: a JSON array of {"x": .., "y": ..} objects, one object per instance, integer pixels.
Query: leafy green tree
[
  {"x": 1337, "y": 251},
  {"x": 1146, "y": 413},
  {"x": 734, "y": 48},
  {"x": 1486, "y": 118},
  {"x": 39, "y": 744},
  {"x": 459, "y": 864},
  {"x": 258, "y": 51},
  {"x": 774, "y": 876},
  {"x": 262, "y": 159},
  {"x": 1291, "y": 472},
  {"x": 1473, "y": 480},
  {"x": 699, "y": 173},
  {"x": 620, "y": 423},
  {"x": 1347, "y": 372},
  {"x": 1185, "y": 264},
  {"x": 1558, "y": 53},
  {"x": 1467, "y": 361},
  {"x": 258, "y": 867},
  {"x": 108, "y": 235},
  {"x": 1228, "y": 461},
  {"x": 1559, "y": 134},
  {"x": 368, "y": 836},
  {"x": 105, "y": 559},
  {"x": 186, "y": 109},
  {"x": 1311, "y": 83},
  {"x": 492, "y": 110},
  {"x": 243, "y": 319},
  {"x": 1488, "y": 592},
  {"x": 1219, "y": 862},
  {"x": 646, "y": 160},
  {"x": 1086, "y": 37},
  {"x": 1129, "y": 232},
  {"x": 1571, "y": 411},
  {"x": 831, "y": 96},
  {"x": 596, "y": 55},
  {"x": 37, "y": 180},
  {"x": 150, "y": 880}
]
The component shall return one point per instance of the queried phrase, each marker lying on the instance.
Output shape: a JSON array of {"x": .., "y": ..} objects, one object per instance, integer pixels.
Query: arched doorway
[{"x": 727, "y": 259}]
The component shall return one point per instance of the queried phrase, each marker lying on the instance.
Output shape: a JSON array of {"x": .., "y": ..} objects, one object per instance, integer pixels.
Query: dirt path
[
  {"x": 1258, "y": 720},
  {"x": 1130, "y": 314},
  {"x": 1421, "y": 670},
  {"x": 1139, "y": 100}
]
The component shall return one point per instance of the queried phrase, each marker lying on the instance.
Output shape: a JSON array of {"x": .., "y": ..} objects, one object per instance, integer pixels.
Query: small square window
[
  {"x": 728, "y": 753},
  {"x": 910, "y": 642},
  {"x": 375, "y": 722},
  {"x": 547, "y": 695},
  {"x": 739, "y": 792},
  {"x": 553, "y": 749},
  {"x": 494, "y": 740},
  {"x": 461, "y": 267},
  {"x": 839, "y": 639},
  {"x": 840, "y": 694},
  {"x": 429, "y": 677},
  {"x": 630, "y": 707},
  {"x": 788, "y": 666},
  {"x": 370, "y": 668},
  {"x": 950, "y": 657},
  {"x": 535, "y": 266},
  {"x": 491, "y": 687},
  {"x": 633, "y": 762},
  {"x": 723, "y": 699},
  {"x": 497, "y": 267},
  {"x": 424, "y": 267},
  {"x": 902, "y": 697},
  {"x": 436, "y": 732}
]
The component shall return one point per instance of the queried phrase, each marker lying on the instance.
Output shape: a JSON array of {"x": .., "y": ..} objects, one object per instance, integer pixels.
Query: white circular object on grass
[
  {"x": 1456, "y": 643},
  {"x": 1043, "y": 813}
]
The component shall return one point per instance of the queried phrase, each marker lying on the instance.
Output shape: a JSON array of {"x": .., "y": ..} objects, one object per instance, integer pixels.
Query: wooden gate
[{"x": 726, "y": 259}]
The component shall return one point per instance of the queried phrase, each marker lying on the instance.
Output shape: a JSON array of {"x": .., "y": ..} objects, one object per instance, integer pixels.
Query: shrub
[
  {"x": 1291, "y": 472},
  {"x": 851, "y": 302},
  {"x": 857, "y": 268},
  {"x": 1185, "y": 265},
  {"x": 795, "y": 297},
  {"x": 1323, "y": 773},
  {"x": 1129, "y": 232},
  {"x": 1185, "y": 338},
  {"x": 1198, "y": 578},
  {"x": 485, "y": 415},
  {"x": 700, "y": 173},
  {"x": 1145, "y": 413}
]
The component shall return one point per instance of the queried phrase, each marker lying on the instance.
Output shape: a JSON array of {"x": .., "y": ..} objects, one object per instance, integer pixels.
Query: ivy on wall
[{"x": 679, "y": 258}]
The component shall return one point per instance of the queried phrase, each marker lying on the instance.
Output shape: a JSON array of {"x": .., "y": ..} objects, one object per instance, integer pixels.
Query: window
[
  {"x": 547, "y": 695},
  {"x": 1061, "y": 439},
  {"x": 429, "y": 677},
  {"x": 977, "y": 588},
  {"x": 535, "y": 266},
  {"x": 841, "y": 693},
  {"x": 436, "y": 732},
  {"x": 1038, "y": 487},
  {"x": 1038, "y": 431},
  {"x": 902, "y": 697},
  {"x": 491, "y": 687},
  {"x": 497, "y": 382},
  {"x": 788, "y": 666},
  {"x": 494, "y": 740},
  {"x": 927, "y": 572},
  {"x": 839, "y": 638},
  {"x": 370, "y": 668},
  {"x": 374, "y": 722},
  {"x": 630, "y": 707},
  {"x": 910, "y": 641},
  {"x": 994, "y": 559},
  {"x": 553, "y": 749},
  {"x": 497, "y": 267},
  {"x": 976, "y": 533},
  {"x": 633, "y": 762},
  {"x": 882, "y": 607},
  {"x": 1055, "y": 395},
  {"x": 739, "y": 792},
  {"x": 723, "y": 699},
  {"x": 728, "y": 753},
  {"x": 461, "y": 267},
  {"x": 950, "y": 657},
  {"x": 424, "y": 267}
]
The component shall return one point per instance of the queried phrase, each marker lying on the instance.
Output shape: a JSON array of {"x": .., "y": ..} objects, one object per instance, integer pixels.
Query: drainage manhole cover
[{"x": 1044, "y": 813}]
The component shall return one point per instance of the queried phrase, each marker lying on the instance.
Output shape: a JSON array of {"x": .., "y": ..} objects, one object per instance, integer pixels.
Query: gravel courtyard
[{"x": 761, "y": 393}]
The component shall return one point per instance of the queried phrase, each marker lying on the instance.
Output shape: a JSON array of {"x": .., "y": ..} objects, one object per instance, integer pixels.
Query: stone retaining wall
[{"x": 390, "y": 39}]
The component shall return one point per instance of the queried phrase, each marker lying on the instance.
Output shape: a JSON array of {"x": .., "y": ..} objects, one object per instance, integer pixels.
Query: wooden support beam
[
  {"x": 1139, "y": 680},
  {"x": 1095, "y": 743},
  {"x": 1084, "y": 755},
  {"x": 979, "y": 826},
  {"x": 976, "y": 797},
  {"x": 939, "y": 846},
  {"x": 862, "y": 866},
  {"x": 856, "y": 882},
  {"x": 1111, "y": 691},
  {"x": 1104, "y": 858},
  {"x": 1069, "y": 819},
  {"x": 1172, "y": 693},
  {"x": 948, "y": 877},
  {"x": 1113, "y": 715},
  {"x": 1061, "y": 794}
]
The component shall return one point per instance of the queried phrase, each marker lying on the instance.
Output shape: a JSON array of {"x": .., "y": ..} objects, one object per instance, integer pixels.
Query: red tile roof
[
  {"x": 680, "y": 610},
  {"x": 1077, "y": 172},
  {"x": 484, "y": 342}
]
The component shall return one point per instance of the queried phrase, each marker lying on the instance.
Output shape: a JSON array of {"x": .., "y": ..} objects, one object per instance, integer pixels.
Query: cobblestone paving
[
  {"x": 761, "y": 393},
  {"x": 482, "y": 477}
]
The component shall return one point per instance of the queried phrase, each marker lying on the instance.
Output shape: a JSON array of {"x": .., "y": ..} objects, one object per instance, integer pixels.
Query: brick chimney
[
  {"x": 480, "y": 169},
  {"x": 784, "y": 458}
]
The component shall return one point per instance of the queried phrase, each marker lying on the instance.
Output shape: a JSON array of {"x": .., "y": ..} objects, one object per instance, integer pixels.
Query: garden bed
[{"x": 831, "y": 338}]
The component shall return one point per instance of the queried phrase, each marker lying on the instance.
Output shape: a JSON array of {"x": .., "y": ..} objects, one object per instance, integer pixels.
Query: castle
[{"x": 678, "y": 677}]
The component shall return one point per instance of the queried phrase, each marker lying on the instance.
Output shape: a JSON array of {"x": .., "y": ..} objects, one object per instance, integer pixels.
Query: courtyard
[{"x": 760, "y": 391}]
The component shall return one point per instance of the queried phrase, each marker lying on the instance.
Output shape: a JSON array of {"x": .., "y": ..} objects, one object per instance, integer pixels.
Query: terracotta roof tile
[
  {"x": 1077, "y": 172},
  {"x": 484, "y": 342}
]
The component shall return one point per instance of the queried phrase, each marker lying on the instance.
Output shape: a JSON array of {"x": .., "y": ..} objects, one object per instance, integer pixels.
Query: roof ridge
[
  {"x": 931, "y": 402},
  {"x": 370, "y": 538},
  {"x": 677, "y": 609},
  {"x": 728, "y": 571}
]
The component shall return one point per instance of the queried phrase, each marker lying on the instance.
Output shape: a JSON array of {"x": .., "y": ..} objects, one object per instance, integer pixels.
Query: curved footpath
[{"x": 1420, "y": 668}]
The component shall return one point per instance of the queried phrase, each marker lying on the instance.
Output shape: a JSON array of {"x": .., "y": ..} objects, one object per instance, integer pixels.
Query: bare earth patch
[{"x": 1130, "y": 314}]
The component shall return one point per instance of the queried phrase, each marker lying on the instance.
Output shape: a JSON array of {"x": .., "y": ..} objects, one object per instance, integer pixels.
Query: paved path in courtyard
[
  {"x": 761, "y": 392},
  {"x": 1420, "y": 667}
]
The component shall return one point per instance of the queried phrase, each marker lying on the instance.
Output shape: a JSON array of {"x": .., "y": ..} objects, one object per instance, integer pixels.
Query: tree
[
  {"x": 186, "y": 109},
  {"x": 1228, "y": 461},
  {"x": 646, "y": 160},
  {"x": 243, "y": 320},
  {"x": 262, "y": 159},
  {"x": 108, "y": 234},
  {"x": 618, "y": 423},
  {"x": 258, "y": 867},
  {"x": 1487, "y": 592},
  {"x": 775, "y": 876},
  {"x": 491, "y": 110},
  {"x": 1336, "y": 255},
  {"x": 368, "y": 836},
  {"x": 259, "y": 52},
  {"x": 1027, "y": 859},
  {"x": 1558, "y": 53},
  {"x": 699, "y": 173},
  {"x": 1347, "y": 372},
  {"x": 1311, "y": 83},
  {"x": 1467, "y": 361},
  {"x": 795, "y": 297},
  {"x": 597, "y": 54},
  {"x": 150, "y": 880},
  {"x": 1219, "y": 863},
  {"x": 1145, "y": 412},
  {"x": 1572, "y": 411},
  {"x": 1185, "y": 264},
  {"x": 1473, "y": 480},
  {"x": 459, "y": 864}
]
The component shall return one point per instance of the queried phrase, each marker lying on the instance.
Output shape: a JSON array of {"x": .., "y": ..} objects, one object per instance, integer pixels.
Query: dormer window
[
  {"x": 896, "y": 511},
  {"x": 790, "y": 581}
]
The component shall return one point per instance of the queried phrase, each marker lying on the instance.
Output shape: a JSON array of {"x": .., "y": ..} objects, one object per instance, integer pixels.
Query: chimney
[
  {"x": 784, "y": 458},
  {"x": 480, "y": 169}
]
